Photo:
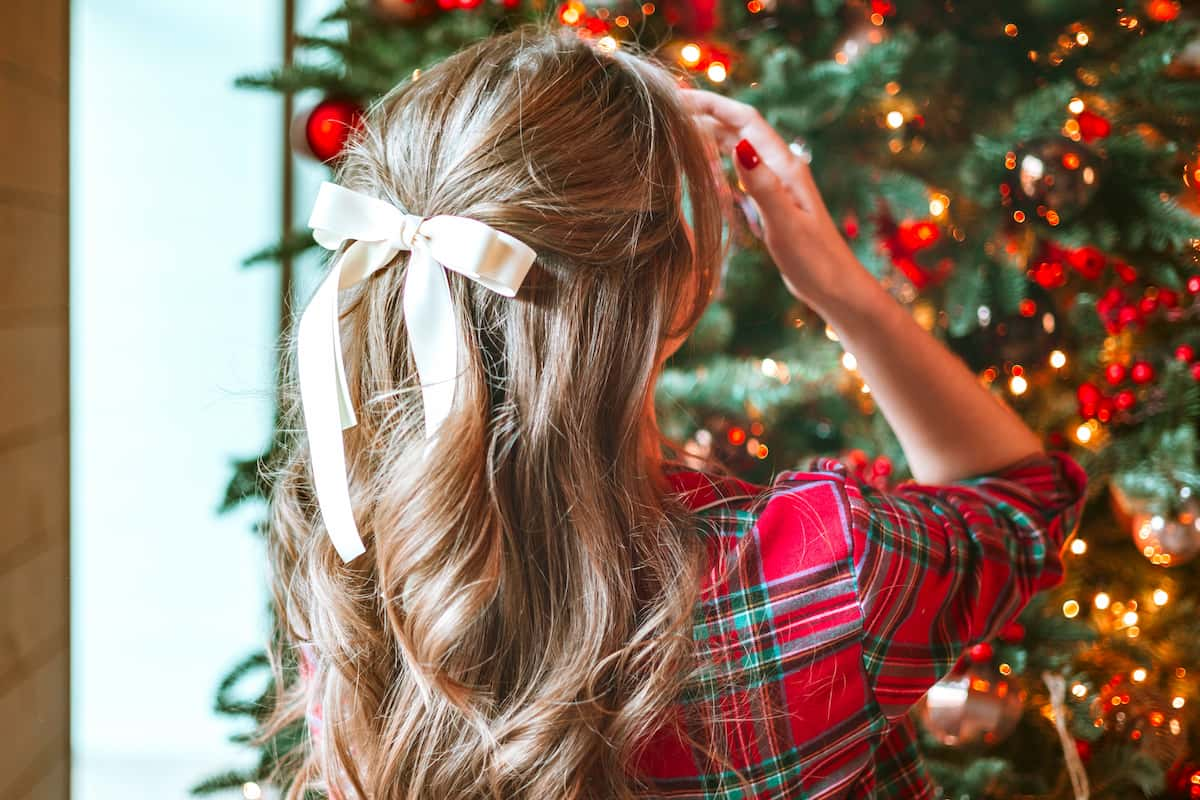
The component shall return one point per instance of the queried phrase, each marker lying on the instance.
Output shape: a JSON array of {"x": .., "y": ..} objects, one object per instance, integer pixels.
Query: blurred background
[{"x": 1024, "y": 176}]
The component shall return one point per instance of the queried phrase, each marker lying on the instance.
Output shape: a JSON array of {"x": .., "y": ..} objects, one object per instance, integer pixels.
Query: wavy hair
[{"x": 521, "y": 620}]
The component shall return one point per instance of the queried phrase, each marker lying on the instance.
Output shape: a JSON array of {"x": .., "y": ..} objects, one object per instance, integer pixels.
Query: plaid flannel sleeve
[{"x": 940, "y": 568}]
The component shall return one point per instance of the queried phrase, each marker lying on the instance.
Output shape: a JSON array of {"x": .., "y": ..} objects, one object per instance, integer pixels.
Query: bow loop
[{"x": 378, "y": 231}]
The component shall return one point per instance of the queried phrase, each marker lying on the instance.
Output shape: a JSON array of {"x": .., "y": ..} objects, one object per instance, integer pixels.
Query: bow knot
[
  {"x": 410, "y": 226},
  {"x": 487, "y": 256}
]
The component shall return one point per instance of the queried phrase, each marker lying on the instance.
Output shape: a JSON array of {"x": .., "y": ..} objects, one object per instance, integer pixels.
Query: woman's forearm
[{"x": 949, "y": 426}]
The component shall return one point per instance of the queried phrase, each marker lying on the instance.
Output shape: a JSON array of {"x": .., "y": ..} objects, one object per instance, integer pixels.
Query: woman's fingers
[
  {"x": 736, "y": 120},
  {"x": 776, "y": 205}
]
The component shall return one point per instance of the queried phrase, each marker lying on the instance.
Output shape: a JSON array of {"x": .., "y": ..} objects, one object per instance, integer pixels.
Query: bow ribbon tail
[
  {"x": 432, "y": 334},
  {"x": 326, "y": 403}
]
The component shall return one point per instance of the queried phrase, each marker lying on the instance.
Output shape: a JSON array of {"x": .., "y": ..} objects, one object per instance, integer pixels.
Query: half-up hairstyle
[{"x": 521, "y": 620}]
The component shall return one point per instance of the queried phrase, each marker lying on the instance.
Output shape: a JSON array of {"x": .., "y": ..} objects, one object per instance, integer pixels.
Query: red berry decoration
[
  {"x": 1089, "y": 393},
  {"x": 1087, "y": 261},
  {"x": 1114, "y": 373},
  {"x": 1049, "y": 274},
  {"x": 1196, "y": 371},
  {"x": 1193, "y": 284},
  {"x": 1125, "y": 272},
  {"x": 1111, "y": 299},
  {"x": 1169, "y": 298},
  {"x": 1084, "y": 748},
  {"x": 1012, "y": 633},
  {"x": 1124, "y": 400},
  {"x": 1104, "y": 409},
  {"x": 1148, "y": 305},
  {"x": 981, "y": 653},
  {"x": 1185, "y": 353},
  {"x": 1129, "y": 315},
  {"x": 1142, "y": 372}
]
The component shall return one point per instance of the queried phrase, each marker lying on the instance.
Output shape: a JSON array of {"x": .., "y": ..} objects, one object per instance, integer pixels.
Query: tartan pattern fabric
[
  {"x": 843, "y": 605},
  {"x": 829, "y": 610}
]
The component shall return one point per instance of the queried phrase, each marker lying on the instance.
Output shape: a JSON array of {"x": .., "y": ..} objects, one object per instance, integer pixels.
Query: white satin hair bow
[{"x": 379, "y": 230}]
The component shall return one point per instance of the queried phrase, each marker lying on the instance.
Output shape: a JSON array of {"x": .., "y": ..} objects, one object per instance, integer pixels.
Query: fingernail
[{"x": 746, "y": 154}]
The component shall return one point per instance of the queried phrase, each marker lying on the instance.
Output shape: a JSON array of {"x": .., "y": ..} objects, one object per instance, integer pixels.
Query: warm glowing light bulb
[
  {"x": 1130, "y": 618},
  {"x": 1075, "y": 106},
  {"x": 1177, "y": 702},
  {"x": 1070, "y": 609},
  {"x": 849, "y": 361},
  {"x": 607, "y": 44},
  {"x": 251, "y": 791},
  {"x": 1138, "y": 675},
  {"x": 1161, "y": 597},
  {"x": 1017, "y": 385},
  {"x": 716, "y": 72},
  {"x": 1058, "y": 359},
  {"x": 895, "y": 119},
  {"x": 1102, "y": 601},
  {"x": 770, "y": 367},
  {"x": 690, "y": 54},
  {"x": 1078, "y": 546},
  {"x": 1083, "y": 433},
  {"x": 1079, "y": 690}
]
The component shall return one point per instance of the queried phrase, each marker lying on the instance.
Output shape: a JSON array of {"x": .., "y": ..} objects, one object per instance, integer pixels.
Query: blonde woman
[{"x": 546, "y": 605}]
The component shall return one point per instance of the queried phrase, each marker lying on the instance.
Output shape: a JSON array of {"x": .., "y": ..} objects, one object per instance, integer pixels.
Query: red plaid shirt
[{"x": 841, "y": 606}]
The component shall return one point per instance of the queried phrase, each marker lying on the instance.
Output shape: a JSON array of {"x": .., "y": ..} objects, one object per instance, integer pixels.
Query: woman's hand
[
  {"x": 949, "y": 426},
  {"x": 816, "y": 263}
]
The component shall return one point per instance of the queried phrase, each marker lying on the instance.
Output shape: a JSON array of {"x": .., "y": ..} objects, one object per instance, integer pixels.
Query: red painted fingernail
[{"x": 746, "y": 154}]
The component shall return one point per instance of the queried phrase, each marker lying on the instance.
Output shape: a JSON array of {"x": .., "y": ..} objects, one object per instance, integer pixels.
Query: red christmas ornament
[
  {"x": 981, "y": 653},
  {"x": 328, "y": 126},
  {"x": 1195, "y": 368},
  {"x": 1185, "y": 353},
  {"x": 1124, "y": 400},
  {"x": 1092, "y": 126},
  {"x": 884, "y": 8},
  {"x": 1114, "y": 373},
  {"x": 1087, "y": 261},
  {"x": 1027, "y": 308},
  {"x": 692, "y": 17},
  {"x": 1169, "y": 298},
  {"x": 1013, "y": 632},
  {"x": 1084, "y": 748},
  {"x": 1148, "y": 305},
  {"x": 1104, "y": 409},
  {"x": 1142, "y": 372},
  {"x": 1193, "y": 284}
]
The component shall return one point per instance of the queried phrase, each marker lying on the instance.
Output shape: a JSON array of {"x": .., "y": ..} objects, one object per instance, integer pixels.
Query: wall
[
  {"x": 34, "y": 632},
  {"x": 174, "y": 179}
]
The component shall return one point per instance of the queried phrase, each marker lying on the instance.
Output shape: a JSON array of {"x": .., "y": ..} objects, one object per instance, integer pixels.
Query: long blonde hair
[{"x": 521, "y": 620}]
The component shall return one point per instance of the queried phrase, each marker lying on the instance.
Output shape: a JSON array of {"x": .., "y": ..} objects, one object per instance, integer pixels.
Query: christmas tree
[{"x": 1024, "y": 176}]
